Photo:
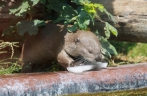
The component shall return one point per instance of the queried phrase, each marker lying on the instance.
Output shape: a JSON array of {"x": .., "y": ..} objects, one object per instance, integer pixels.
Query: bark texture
[{"x": 131, "y": 17}]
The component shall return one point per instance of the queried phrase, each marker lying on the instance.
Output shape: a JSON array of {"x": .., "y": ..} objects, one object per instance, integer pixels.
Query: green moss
[
  {"x": 130, "y": 52},
  {"x": 135, "y": 92},
  {"x": 139, "y": 50},
  {"x": 14, "y": 68},
  {"x": 123, "y": 47}
]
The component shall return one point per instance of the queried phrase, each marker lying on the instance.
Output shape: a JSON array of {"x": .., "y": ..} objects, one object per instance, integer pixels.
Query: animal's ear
[{"x": 77, "y": 40}]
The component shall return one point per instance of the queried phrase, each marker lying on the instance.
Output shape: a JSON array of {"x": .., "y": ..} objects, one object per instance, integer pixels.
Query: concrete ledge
[{"x": 59, "y": 83}]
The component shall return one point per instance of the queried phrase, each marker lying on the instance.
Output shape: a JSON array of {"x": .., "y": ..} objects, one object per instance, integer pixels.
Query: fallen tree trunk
[{"x": 131, "y": 17}]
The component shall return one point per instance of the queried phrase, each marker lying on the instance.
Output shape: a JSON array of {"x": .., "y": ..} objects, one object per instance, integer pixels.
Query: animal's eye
[
  {"x": 77, "y": 40},
  {"x": 90, "y": 51}
]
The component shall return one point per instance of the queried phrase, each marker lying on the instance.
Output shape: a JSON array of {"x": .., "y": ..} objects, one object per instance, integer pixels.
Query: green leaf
[
  {"x": 43, "y": 1},
  {"x": 105, "y": 53},
  {"x": 28, "y": 26},
  {"x": 91, "y": 18},
  {"x": 107, "y": 31},
  {"x": 99, "y": 6},
  {"x": 107, "y": 48},
  {"x": 80, "y": 2},
  {"x": 39, "y": 23},
  {"x": 34, "y": 2},
  {"x": 73, "y": 28},
  {"x": 2, "y": 4},
  {"x": 111, "y": 29},
  {"x": 96, "y": 33},
  {"x": 65, "y": 10},
  {"x": 59, "y": 19},
  {"x": 20, "y": 11},
  {"x": 83, "y": 20},
  {"x": 8, "y": 30},
  {"x": 74, "y": 19},
  {"x": 89, "y": 8},
  {"x": 110, "y": 16}
]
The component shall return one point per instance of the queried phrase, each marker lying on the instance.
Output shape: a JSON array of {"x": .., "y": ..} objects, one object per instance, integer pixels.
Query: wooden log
[
  {"x": 131, "y": 17},
  {"x": 7, "y": 19}
]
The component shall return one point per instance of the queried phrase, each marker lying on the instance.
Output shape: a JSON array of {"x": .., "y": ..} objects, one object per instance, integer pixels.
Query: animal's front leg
[{"x": 64, "y": 59}]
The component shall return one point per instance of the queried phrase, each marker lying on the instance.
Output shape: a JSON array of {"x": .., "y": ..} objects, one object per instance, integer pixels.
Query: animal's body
[{"x": 55, "y": 43}]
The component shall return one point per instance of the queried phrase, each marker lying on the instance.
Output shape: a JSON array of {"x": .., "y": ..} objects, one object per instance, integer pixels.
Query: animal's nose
[{"x": 98, "y": 58}]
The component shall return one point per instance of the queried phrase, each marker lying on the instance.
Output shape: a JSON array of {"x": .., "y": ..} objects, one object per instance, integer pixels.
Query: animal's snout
[{"x": 98, "y": 58}]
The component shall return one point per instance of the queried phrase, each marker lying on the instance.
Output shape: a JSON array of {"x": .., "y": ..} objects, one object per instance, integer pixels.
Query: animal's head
[{"x": 85, "y": 44}]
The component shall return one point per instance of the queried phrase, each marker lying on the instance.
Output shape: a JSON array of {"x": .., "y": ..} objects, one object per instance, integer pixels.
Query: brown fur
[{"x": 55, "y": 43}]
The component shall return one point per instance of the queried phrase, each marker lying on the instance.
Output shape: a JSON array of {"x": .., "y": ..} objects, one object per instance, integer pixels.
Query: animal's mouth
[{"x": 80, "y": 60}]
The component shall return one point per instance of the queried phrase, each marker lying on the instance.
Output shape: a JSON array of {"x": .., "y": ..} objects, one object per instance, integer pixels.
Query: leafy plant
[
  {"x": 14, "y": 68},
  {"x": 30, "y": 26},
  {"x": 78, "y": 13}
]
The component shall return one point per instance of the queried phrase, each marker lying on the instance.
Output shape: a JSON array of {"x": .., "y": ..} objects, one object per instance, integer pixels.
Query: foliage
[
  {"x": 78, "y": 13},
  {"x": 130, "y": 52},
  {"x": 21, "y": 9},
  {"x": 107, "y": 48},
  {"x": 125, "y": 47},
  {"x": 14, "y": 68},
  {"x": 2, "y": 4},
  {"x": 28, "y": 26}
]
